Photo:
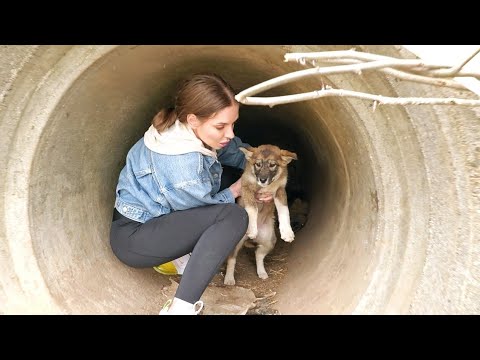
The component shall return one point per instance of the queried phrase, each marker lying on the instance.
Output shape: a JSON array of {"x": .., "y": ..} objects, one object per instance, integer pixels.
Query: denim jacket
[{"x": 153, "y": 184}]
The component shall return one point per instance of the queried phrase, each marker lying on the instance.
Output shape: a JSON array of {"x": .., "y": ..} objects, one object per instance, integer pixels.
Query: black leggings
[{"x": 210, "y": 233}]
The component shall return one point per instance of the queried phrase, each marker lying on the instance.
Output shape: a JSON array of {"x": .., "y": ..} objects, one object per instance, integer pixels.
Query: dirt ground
[{"x": 276, "y": 265}]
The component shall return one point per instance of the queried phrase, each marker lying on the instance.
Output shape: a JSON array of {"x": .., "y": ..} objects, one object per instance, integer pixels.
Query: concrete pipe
[{"x": 394, "y": 192}]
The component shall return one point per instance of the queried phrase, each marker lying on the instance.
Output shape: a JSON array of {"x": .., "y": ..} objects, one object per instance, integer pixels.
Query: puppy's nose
[{"x": 263, "y": 180}]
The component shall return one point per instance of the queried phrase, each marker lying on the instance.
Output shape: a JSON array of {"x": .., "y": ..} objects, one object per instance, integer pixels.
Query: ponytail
[
  {"x": 202, "y": 95},
  {"x": 164, "y": 119}
]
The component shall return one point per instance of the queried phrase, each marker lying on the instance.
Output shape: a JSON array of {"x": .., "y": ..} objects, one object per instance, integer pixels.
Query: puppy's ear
[
  {"x": 288, "y": 156},
  {"x": 248, "y": 152}
]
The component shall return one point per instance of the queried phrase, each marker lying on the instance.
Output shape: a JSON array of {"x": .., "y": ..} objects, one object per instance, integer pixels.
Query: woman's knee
[{"x": 237, "y": 216}]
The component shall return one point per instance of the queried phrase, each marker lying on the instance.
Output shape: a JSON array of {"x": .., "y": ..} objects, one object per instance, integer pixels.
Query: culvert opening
[
  {"x": 378, "y": 225},
  {"x": 103, "y": 113}
]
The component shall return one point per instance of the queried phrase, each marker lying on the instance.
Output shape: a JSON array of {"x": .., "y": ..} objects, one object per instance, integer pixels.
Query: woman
[{"x": 168, "y": 198}]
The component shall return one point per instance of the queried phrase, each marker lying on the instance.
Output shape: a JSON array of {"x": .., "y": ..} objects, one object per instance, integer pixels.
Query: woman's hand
[
  {"x": 236, "y": 188},
  {"x": 264, "y": 197}
]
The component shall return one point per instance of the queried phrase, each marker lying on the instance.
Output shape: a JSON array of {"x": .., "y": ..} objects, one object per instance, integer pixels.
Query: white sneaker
[
  {"x": 174, "y": 267},
  {"x": 181, "y": 263},
  {"x": 181, "y": 307}
]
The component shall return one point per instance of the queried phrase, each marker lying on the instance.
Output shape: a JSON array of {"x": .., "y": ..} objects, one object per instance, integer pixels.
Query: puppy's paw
[
  {"x": 286, "y": 233},
  {"x": 262, "y": 275},
  {"x": 229, "y": 280},
  {"x": 252, "y": 232}
]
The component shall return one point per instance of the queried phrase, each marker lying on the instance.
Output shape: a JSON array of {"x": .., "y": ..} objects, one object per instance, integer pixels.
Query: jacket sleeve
[
  {"x": 195, "y": 193},
  {"x": 231, "y": 156}
]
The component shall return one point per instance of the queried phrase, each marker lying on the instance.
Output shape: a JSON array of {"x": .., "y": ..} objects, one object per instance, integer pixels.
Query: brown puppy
[{"x": 265, "y": 172}]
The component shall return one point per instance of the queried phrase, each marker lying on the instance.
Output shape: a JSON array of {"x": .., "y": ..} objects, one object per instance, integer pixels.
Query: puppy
[{"x": 265, "y": 172}]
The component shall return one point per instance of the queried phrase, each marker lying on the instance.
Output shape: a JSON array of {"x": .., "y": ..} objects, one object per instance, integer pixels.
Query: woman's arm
[
  {"x": 198, "y": 192},
  {"x": 195, "y": 195},
  {"x": 231, "y": 156}
]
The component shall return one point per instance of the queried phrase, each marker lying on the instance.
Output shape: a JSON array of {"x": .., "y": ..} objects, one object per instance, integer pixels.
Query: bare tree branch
[
  {"x": 379, "y": 99},
  {"x": 358, "y": 68},
  {"x": 352, "y": 54},
  {"x": 403, "y": 75},
  {"x": 455, "y": 71},
  {"x": 432, "y": 73}
]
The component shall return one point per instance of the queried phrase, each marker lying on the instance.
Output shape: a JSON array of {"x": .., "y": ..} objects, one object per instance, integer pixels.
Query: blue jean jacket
[{"x": 153, "y": 184}]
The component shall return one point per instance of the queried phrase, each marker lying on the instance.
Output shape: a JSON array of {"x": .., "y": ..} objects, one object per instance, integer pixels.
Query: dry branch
[
  {"x": 381, "y": 100},
  {"x": 416, "y": 70}
]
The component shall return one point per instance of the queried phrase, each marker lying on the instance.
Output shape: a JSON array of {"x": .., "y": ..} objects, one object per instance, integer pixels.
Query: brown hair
[{"x": 202, "y": 95}]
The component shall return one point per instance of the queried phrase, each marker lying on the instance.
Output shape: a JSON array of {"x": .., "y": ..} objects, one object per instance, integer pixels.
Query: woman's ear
[{"x": 193, "y": 121}]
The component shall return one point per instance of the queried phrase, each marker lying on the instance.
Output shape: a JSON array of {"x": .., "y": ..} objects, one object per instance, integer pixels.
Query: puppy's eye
[
  {"x": 258, "y": 164},
  {"x": 272, "y": 166}
]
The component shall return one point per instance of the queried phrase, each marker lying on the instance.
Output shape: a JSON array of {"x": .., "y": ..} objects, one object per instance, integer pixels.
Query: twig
[
  {"x": 358, "y": 68},
  {"x": 358, "y": 55},
  {"x": 382, "y": 100},
  {"x": 403, "y": 75},
  {"x": 276, "y": 272},
  {"x": 424, "y": 71},
  {"x": 273, "y": 293},
  {"x": 277, "y": 258},
  {"x": 454, "y": 71},
  {"x": 423, "y": 79}
]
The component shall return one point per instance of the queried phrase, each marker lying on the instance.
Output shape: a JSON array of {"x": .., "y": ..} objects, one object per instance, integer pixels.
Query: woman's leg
[{"x": 210, "y": 233}]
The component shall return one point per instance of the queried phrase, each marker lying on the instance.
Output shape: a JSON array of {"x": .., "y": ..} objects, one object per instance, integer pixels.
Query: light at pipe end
[{"x": 453, "y": 55}]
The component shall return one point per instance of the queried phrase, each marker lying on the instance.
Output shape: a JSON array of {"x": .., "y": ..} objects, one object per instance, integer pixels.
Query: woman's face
[{"x": 216, "y": 131}]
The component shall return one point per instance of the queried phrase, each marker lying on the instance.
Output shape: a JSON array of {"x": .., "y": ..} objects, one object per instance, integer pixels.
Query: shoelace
[
  {"x": 196, "y": 311},
  {"x": 199, "y": 303},
  {"x": 166, "y": 305}
]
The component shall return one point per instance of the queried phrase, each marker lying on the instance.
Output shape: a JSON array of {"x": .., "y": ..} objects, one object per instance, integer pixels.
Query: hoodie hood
[{"x": 177, "y": 139}]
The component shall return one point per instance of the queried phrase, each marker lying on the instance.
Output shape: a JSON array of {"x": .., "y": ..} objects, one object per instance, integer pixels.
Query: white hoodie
[{"x": 177, "y": 139}]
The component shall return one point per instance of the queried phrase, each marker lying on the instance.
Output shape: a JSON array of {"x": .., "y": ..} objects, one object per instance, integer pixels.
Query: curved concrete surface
[{"x": 394, "y": 193}]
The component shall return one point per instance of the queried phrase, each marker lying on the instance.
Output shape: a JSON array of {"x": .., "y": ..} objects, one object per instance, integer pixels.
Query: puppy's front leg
[
  {"x": 286, "y": 232},
  {"x": 252, "y": 212}
]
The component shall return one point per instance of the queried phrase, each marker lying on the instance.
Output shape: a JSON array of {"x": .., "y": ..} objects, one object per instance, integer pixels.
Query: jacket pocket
[
  {"x": 142, "y": 173},
  {"x": 146, "y": 179}
]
